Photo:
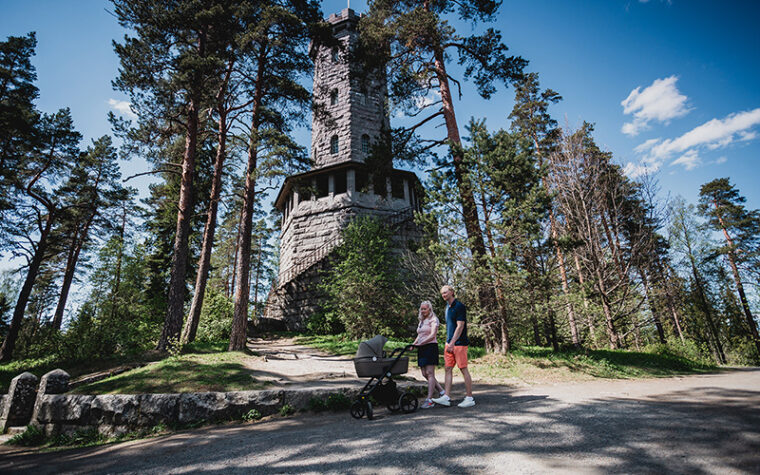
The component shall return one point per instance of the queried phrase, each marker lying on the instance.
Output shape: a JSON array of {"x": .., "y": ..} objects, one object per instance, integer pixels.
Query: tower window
[
  {"x": 365, "y": 144},
  {"x": 335, "y": 55},
  {"x": 322, "y": 186},
  {"x": 380, "y": 185},
  {"x": 397, "y": 187},
  {"x": 333, "y": 97},
  {"x": 340, "y": 182},
  {"x": 361, "y": 181},
  {"x": 363, "y": 96},
  {"x": 334, "y": 145}
]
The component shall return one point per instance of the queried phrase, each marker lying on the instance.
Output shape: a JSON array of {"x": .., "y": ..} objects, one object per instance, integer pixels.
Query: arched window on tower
[
  {"x": 365, "y": 144},
  {"x": 335, "y": 55},
  {"x": 334, "y": 145},
  {"x": 333, "y": 97}
]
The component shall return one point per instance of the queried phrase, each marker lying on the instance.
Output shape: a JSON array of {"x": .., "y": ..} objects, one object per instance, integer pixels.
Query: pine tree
[
  {"x": 91, "y": 193},
  {"x": 40, "y": 174},
  {"x": 276, "y": 56},
  {"x": 169, "y": 70},
  {"x": 414, "y": 40},
  {"x": 18, "y": 117},
  {"x": 723, "y": 207}
]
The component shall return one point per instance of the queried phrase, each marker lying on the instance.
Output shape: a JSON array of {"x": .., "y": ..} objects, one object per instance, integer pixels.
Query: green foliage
[
  {"x": 333, "y": 402},
  {"x": 364, "y": 286},
  {"x": 324, "y": 323},
  {"x": 79, "y": 438},
  {"x": 252, "y": 415},
  {"x": 317, "y": 404},
  {"x": 32, "y": 436},
  {"x": 216, "y": 317},
  {"x": 286, "y": 410}
]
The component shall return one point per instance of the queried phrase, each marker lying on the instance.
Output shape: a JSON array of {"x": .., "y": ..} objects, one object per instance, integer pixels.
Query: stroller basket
[
  {"x": 370, "y": 360},
  {"x": 366, "y": 368}
]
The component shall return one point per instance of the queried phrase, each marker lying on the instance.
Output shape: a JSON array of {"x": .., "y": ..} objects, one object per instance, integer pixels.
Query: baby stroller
[{"x": 371, "y": 362}]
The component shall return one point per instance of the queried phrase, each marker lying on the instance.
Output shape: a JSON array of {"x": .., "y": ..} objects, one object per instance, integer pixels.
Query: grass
[
  {"x": 193, "y": 372},
  {"x": 40, "y": 366},
  {"x": 536, "y": 364}
]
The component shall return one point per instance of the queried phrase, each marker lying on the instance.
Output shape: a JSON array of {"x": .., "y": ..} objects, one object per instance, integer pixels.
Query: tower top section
[{"x": 351, "y": 103}]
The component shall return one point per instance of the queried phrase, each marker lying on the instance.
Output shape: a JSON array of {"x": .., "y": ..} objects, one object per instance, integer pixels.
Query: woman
[{"x": 427, "y": 350}]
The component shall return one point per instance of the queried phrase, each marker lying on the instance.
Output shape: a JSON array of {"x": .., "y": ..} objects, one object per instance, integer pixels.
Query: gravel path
[{"x": 694, "y": 424}]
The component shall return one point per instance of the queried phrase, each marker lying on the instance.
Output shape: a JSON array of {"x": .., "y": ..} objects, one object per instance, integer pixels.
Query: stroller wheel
[
  {"x": 369, "y": 410},
  {"x": 394, "y": 407},
  {"x": 408, "y": 403},
  {"x": 357, "y": 410}
]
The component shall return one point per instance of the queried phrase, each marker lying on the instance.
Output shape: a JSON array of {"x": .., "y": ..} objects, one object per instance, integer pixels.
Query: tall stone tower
[{"x": 318, "y": 204}]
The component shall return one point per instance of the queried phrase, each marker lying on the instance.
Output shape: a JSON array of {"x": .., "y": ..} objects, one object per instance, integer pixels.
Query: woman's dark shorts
[{"x": 427, "y": 355}]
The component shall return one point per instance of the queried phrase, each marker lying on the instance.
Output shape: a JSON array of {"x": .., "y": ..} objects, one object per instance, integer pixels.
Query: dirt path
[
  {"x": 283, "y": 362},
  {"x": 694, "y": 424}
]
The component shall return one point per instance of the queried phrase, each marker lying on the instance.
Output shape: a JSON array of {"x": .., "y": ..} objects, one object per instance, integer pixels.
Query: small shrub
[
  {"x": 32, "y": 436},
  {"x": 317, "y": 405},
  {"x": 286, "y": 410},
  {"x": 252, "y": 415},
  {"x": 337, "y": 401},
  {"x": 174, "y": 347},
  {"x": 216, "y": 318},
  {"x": 80, "y": 438}
]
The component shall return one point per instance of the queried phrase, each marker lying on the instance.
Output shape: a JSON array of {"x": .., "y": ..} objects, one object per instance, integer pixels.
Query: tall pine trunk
[
  {"x": 9, "y": 344},
  {"x": 204, "y": 262},
  {"x": 243, "y": 267},
  {"x": 177, "y": 284},
  {"x": 486, "y": 295}
]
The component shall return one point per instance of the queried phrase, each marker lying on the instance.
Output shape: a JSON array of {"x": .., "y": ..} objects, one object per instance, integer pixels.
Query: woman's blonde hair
[{"x": 430, "y": 306}]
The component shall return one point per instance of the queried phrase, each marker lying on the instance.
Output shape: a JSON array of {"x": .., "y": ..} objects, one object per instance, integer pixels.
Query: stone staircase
[{"x": 318, "y": 255}]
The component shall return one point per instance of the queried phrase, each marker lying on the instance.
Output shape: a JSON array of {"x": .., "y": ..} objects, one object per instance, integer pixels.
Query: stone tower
[{"x": 317, "y": 204}]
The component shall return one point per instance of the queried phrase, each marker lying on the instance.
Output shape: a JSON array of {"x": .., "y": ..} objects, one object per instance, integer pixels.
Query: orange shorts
[{"x": 458, "y": 358}]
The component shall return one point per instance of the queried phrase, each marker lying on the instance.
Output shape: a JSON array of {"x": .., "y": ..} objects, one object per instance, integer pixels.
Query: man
[{"x": 455, "y": 353}]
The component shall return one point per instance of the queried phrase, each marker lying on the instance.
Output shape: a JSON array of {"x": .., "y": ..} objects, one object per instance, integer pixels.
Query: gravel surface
[{"x": 694, "y": 424}]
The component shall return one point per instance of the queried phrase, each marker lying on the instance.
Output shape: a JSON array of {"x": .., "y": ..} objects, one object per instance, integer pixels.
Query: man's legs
[
  {"x": 449, "y": 378},
  {"x": 467, "y": 381}
]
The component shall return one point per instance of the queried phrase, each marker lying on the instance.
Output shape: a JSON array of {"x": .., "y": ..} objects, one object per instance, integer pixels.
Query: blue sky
[{"x": 671, "y": 85}]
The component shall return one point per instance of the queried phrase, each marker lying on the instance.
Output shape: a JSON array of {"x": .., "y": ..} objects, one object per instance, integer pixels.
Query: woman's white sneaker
[
  {"x": 468, "y": 402},
  {"x": 444, "y": 400}
]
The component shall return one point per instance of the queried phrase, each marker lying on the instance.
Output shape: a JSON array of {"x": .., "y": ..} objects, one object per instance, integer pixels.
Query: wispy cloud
[
  {"x": 659, "y": 102},
  {"x": 123, "y": 107},
  {"x": 714, "y": 134}
]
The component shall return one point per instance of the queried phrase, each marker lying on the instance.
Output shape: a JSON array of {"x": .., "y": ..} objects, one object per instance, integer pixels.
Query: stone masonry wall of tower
[{"x": 354, "y": 101}]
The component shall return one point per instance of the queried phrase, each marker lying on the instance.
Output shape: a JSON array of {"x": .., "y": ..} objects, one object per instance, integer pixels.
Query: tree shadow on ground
[{"x": 707, "y": 429}]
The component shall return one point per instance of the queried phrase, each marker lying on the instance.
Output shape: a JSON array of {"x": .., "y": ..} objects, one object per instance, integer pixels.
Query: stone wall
[{"x": 114, "y": 414}]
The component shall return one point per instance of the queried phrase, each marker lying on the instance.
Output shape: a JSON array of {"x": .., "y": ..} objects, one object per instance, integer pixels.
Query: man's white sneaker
[
  {"x": 444, "y": 400},
  {"x": 468, "y": 402}
]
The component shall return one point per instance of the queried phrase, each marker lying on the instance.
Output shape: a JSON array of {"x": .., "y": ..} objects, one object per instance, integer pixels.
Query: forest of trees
[{"x": 544, "y": 237}]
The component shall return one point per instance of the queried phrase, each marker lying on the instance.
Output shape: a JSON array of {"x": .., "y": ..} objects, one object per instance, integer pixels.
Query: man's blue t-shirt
[{"x": 456, "y": 312}]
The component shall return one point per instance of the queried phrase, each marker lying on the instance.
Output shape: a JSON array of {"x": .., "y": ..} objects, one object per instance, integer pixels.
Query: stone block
[
  {"x": 114, "y": 410},
  {"x": 18, "y": 405},
  {"x": 158, "y": 409},
  {"x": 63, "y": 409},
  {"x": 54, "y": 382}
]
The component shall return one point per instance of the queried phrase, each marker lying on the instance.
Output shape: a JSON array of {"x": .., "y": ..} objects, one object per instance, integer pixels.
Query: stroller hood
[{"x": 372, "y": 347}]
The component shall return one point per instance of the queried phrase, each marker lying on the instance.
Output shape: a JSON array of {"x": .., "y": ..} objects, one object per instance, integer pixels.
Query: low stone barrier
[{"x": 114, "y": 414}]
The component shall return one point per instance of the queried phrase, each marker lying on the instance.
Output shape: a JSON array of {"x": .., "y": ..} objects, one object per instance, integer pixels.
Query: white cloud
[
  {"x": 660, "y": 102},
  {"x": 123, "y": 107},
  {"x": 714, "y": 134},
  {"x": 690, "y": 160},
  {"x": 635, "y": 170},
  {"x": 722, "y": 159}
]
